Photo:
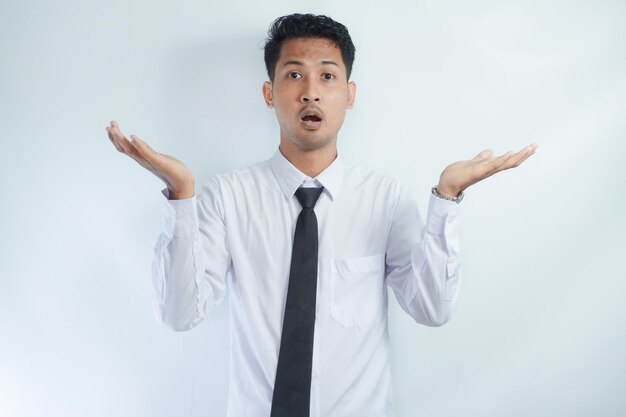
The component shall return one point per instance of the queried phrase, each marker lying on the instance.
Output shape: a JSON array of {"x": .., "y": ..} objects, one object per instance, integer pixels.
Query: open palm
[
  {"x": 460, "y": 175},
  {"x": 178, "y": 178}
]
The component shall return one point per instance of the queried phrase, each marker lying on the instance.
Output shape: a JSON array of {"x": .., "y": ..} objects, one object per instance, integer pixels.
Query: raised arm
[
  {"x": 423, "y": 260},
  {"x": 461, "y": 174},
  {"x": 191, "y": 260},
  {"x": 178, "y": 178}
]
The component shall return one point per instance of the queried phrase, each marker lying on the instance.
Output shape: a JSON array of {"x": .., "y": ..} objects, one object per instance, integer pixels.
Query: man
[{"x": 310, "y": 243}]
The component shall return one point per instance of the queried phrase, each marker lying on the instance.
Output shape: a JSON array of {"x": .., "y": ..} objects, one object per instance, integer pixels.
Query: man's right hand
[{"x": 178, "y": 178}]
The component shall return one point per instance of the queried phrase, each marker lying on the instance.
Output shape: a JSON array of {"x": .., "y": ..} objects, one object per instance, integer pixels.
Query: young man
[{"x": 310, "y": 243}]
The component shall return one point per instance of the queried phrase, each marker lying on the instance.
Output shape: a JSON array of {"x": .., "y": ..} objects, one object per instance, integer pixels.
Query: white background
[{"x": 540, "y": 325}]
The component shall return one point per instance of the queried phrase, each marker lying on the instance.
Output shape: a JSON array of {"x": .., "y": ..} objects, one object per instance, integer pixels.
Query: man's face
[{"x": 310, "y": 93}]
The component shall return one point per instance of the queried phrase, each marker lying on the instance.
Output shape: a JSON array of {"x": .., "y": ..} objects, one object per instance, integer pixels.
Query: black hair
[{"x": 307, "y": 26}]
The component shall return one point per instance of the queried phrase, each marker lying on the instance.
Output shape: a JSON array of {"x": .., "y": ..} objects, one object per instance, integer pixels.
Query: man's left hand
[{"x": 460, "y": 175}]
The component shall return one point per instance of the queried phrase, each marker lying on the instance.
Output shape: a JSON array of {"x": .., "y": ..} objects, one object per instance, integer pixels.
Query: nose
[{"x": 310, "y": 92}]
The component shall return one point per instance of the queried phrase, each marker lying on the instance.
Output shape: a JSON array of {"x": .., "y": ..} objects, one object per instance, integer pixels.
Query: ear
[
  {"x": 267, "y": 94},
  {"x": 351, "y": 93}
]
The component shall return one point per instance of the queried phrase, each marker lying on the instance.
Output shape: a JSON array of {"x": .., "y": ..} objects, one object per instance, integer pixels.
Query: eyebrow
[{"x": 302, "y": 64}]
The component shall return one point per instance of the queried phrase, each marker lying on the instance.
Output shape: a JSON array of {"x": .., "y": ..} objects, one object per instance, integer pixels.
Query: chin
[
  {"x": 309, "y": 144},
  {"x": 308, "y": 140}
]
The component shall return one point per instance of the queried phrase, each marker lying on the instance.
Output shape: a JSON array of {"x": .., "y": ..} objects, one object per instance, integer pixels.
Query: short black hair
[{"x": 307, "y": 26}]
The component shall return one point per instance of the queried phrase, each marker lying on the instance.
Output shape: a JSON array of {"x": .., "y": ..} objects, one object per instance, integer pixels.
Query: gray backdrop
[{"x": 540, "y": 325}]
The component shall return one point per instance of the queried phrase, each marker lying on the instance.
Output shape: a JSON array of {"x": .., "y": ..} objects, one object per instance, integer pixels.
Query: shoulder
[
  {"x": 368, "y": 177},
  {"x": 239, "y": 175},
  {"x": 230, "y": 185}
]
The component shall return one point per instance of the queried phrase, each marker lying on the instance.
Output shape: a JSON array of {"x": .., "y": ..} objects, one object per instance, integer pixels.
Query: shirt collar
[{"x": 291, "y": 178}]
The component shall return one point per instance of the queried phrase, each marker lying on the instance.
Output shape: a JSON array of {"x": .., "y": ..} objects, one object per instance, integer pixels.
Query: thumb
[
  {"x": 143, "y": 148},
  {"x": 483, "y": 154}
]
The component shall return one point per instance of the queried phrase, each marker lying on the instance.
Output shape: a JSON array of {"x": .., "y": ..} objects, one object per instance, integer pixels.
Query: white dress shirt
[{"x": 238, "y": 240}]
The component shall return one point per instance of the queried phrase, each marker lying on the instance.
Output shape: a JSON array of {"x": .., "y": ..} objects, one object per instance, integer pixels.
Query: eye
[
  {"x": 328, "y": 76},
  {"x": 294, "y": 75}
]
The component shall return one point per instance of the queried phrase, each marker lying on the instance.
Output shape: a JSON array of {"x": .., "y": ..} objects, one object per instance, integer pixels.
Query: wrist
[
  {"x": 447, "y": 191},
  {"x": 456, "y": 199},
  {"x": 181, "y": 194}
]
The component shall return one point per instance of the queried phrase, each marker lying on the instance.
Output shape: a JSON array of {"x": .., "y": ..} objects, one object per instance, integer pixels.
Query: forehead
[{"x": 310, "y": 51}]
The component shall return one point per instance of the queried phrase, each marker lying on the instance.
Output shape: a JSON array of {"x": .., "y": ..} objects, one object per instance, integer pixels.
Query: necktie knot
[{"x": 307, "y": 196}]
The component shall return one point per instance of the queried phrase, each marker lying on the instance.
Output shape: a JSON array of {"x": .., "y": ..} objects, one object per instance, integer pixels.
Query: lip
[{"x": 310, "y": 124}]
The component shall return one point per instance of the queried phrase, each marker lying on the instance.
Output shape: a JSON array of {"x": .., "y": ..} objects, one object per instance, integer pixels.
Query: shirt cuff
[
  {"x": 442, "y": 215},
  {"x": 179, "y": 217}
]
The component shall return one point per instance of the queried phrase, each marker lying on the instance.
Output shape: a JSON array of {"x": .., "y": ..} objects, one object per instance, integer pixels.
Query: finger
[
  {"x": 118, "y": 137},
  {"x": 516, "y": 159},
  {"x": 129, "y": 148},
  {"x": 123, "y": 141},
  {"x": 123, "y": 144},
  {"x": 147, "y": 156},
  {"x": 141, "y": 146},
  {"x": 496, "y": 162},
  {"x": 522, "y": 155},
  {"x": 527, "y": 152},
  {"x": 117, "y": 146},
  {"x": 483, "y": 154},
  {"x": 144, "y": 150}
]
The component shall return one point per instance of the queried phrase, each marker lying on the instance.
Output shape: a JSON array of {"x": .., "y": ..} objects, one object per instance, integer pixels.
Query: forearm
[
  {"x": 178, "y": 286},
  {"x": 437, "y": 257},
  {"x": 436, "y": 269},
  {"x": 178, "y": 260},
  {"x": 423, "y": 259},
  {"x": 191, "y": 261}
]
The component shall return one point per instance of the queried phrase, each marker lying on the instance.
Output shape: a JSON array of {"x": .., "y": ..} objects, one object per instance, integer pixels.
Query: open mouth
[{"x": 311, "y": 119}]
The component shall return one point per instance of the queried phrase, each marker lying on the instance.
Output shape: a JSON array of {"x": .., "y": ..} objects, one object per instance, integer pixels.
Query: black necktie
[{"x": 292, "y": 387}]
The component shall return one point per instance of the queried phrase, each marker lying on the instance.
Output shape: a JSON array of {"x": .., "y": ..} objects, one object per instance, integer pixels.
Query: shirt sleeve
[
  {"x": 423, "y": 260},
  {"x": 191, "y": 260}
]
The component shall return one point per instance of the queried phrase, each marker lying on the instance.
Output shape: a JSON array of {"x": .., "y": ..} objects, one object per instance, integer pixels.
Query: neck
[{"x": 311, "y": 162}]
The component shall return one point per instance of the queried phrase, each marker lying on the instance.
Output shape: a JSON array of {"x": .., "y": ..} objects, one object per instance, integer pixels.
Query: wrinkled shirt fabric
[{"x": 235, "y": 237}]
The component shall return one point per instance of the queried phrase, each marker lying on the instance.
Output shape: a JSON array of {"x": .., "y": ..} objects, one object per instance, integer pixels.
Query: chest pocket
[{"x": 358, "y": 290}]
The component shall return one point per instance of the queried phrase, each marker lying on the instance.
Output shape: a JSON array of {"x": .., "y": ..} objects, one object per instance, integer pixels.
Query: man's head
[
  {"x": 309, "y": 87},
  {"x": 307, "y": 26}
]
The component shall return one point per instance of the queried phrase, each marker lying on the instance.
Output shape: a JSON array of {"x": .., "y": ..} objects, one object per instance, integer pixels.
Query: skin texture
[
  {"x": 460, "y": 175},
  {"x": 310, "y": 74},
  {"x": 178, "y": 178}
]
